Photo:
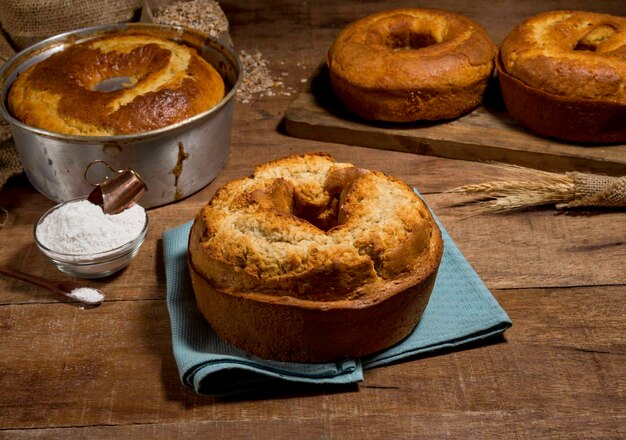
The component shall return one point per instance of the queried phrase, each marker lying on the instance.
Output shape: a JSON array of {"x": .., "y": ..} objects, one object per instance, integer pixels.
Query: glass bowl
[{"x": 96, "y": 265}]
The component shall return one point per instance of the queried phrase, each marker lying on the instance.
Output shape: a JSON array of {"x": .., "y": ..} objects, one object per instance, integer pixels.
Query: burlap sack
[
  {"x": 6, "y": 51},
  {"x": 10, "y": 164},
  {"x": 29, "y": 21}
]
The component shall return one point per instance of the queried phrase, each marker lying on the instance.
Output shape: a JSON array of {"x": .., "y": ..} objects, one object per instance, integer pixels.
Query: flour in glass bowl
[{"x": 82, "y": 228}]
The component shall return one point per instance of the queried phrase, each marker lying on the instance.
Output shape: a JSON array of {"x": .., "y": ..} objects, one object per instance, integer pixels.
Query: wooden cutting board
[{"x": 486, "y": 134}]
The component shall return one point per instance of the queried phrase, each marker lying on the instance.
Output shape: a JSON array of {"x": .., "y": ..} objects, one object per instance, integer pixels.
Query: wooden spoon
[{"x": 65, "y": 288}]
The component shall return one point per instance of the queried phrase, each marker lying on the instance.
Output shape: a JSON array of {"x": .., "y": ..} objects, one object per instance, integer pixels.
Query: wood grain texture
[
  {"x": 109, "y": 372},
  {"x": 486, "y": 134},
  {"x": 543, "y": 248},
  {"x": 112, "y": 366}
]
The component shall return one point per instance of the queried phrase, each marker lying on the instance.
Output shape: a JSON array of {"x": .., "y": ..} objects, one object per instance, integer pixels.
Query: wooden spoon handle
[
  {"x": 63, "y": 288},
  {"x": 28, "y": 278}
]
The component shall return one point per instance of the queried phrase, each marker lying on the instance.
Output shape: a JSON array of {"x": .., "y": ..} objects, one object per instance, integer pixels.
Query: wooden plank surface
[
  {"x": 486, "y": 134},
  {"x": 560, "y": 249},
  {"x": 109, "y": 372},
  {"x": 113, "y": 366}
]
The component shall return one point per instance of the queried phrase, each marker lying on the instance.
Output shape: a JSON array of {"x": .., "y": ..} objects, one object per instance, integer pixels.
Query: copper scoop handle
[
  {"x": 106, "y": 164},
  {"x": 118, "y": 193}
]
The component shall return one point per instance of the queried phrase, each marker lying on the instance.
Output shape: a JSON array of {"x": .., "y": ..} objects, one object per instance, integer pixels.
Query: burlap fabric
[
  {"x": 9, "y": 160},
  {"x": 28, "y": 21},
  {"x": 597, "y": 190},
  {"x": 6, "y": 51},
  {"x": 10, "y": 164}
]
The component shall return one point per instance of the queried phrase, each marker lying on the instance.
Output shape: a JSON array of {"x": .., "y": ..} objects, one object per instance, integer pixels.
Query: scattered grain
[
  {"x": 258, "y": 80},
  {"x": 203, "y": 15},
  {"x": 207, "y": 16}
]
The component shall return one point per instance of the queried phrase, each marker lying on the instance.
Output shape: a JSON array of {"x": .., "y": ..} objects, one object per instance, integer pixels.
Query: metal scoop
[
  {"x": 117, "y": 193},
  {"x": 64, "y": 288}
]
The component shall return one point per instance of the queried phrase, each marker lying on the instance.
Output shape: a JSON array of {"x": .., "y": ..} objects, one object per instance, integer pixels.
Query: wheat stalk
[{"x": 537, "y": 188}]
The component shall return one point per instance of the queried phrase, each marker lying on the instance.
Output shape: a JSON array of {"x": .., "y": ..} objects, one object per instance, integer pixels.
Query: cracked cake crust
[{"x": 308, "y": 251}]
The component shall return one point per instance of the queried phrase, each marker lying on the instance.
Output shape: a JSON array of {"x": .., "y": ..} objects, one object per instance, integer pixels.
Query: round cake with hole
[
  {"x": 563, "y": 75},
  {"x": 412, "y": 64},
  {"x": 119, "y": 84},
  {"x": 312, "y": 260}
]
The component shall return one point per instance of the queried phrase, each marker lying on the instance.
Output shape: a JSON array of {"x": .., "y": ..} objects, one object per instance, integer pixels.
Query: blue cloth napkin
[
  {"x": 461, "y": 310},
  {"x": 211, "y": 365}
]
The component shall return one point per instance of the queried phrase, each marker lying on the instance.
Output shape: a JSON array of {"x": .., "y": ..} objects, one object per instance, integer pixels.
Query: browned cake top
[
  {"x": 311, "y": 228},
  {"x": 413, "y": 48},
  {"x": 570, "y": 53},
  {"x": 168, "y": 82}
]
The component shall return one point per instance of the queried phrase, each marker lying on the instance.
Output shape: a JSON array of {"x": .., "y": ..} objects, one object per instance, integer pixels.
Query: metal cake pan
[{"x": 174, "y": 161}]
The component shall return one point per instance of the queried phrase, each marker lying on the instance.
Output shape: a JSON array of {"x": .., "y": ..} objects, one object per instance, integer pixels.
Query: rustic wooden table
[{"x": 109, "y": 372}]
